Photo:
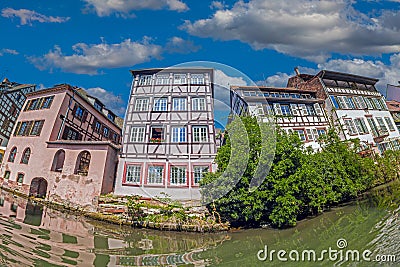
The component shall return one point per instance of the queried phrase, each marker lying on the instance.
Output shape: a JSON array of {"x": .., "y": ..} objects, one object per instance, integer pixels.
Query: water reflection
[{"x": 33, "y": 235}]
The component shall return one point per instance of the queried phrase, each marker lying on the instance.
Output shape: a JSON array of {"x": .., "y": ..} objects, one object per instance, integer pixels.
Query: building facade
[
  {"x": 62, "y": 148},
  {"x": 355, "y": 107},
  {"x": 168, "y": 139},
  {"x": 12, "y": 98},
  {"x": 294, "y": 110}
]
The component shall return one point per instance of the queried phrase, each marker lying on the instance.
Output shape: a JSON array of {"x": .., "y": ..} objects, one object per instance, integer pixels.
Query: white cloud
[
  {"x": 386, "y": 73},
  {"x": 310, "y": 29},
  {"x": 88, "y": 59},
  {"x": 182, "y": 46},
  {"x": 109, "y": 99},
  {"x": 217, "y": 5},
  {"x": 124, "y": 8},
  {"x": 28, "y": 16},
  {"x": 8, "y": 51}
]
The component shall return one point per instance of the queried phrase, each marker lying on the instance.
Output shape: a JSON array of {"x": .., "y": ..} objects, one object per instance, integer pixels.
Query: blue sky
[{"x": 94, "y": 43}]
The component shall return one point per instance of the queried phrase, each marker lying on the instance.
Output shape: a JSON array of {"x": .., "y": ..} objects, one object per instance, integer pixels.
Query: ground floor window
[
  {"x": 198, "y": 173},
  {"x": 133, "y": 173},
  {"x": 155, "y": 175},
  {"x": 20, "y": 178},
  {"x": 7, "y": 175},
  {"x": 178, "y": 175}
]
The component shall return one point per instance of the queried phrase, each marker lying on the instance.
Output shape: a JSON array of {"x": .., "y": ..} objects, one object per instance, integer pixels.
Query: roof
[
  {"x": 154, "y": 70},
  {"x": 332, "y": 75},
  {"x": 393, "y": 105},
  {"x": 273, "y": 89}
]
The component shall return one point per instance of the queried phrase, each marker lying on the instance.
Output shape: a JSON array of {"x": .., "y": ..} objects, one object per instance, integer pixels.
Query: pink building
[{"x": 63, "y": 148}]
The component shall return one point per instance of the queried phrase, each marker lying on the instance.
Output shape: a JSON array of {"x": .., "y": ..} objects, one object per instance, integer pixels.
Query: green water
[{"x": 37, "y": 236}]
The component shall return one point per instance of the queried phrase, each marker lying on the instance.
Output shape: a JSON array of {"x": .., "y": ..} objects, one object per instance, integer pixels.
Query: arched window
[
  {"x": 12, "y": 155},
  {"x": 25, "y": 156},
  {"x": 82, "y": 163},
  {"x": 58, "y": 161}
]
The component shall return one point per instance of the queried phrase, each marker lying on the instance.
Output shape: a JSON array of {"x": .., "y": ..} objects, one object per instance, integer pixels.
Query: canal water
[{"x": 32, "y": 235}]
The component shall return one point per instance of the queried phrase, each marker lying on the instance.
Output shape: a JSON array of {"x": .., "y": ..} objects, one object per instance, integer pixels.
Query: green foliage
[{"x": 301, "y": 182}]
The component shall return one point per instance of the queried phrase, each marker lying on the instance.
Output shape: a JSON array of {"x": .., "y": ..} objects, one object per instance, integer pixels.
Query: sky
[{"x": 93, "y": 44}]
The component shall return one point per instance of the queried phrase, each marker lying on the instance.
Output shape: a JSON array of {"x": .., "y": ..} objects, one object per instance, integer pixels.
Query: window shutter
[{"x": 277, "y": 109}]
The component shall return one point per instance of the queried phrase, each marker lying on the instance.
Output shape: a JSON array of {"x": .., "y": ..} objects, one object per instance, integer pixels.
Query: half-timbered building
[
  {"x": 355, "y": 106},
  {"x": 168, "y": 139},
  {"x": 295, "y": 110}
]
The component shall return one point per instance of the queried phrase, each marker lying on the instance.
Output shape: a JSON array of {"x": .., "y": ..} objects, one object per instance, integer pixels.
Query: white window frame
[
  {"x": 160, "y": 104},
  {"x": 145, "y": 80},
  {"x": 180, "y": 78},
  {"x": 277, "y": 109},
  {"x": 178, "y": 175},
  {"x": 381, "y": 124},
  {"x": 162, "y": 79},
  {"x": 284, "y": 111},
  {"x": 154, "y": 176},
  {"x": 300, "y": 135},
  {"x": 198, "y": 104},
  {"x": 295, "y": 110},
  {"x": 318, "y": 109},
  {"x": 303, "y": 109},
  {"x": 133, "y": 174},
  {"x": 310, "y": 135},
  {"x": 137, "y": 134},
  {"x": 197, "y": 79},
  {"x": 351, "y": 128},
  {"x": 200, "y": 134},
  {"x": 198, "y": 173},
  {"x": 179, "y": 104},
  {"x": 141, "y": 104},
  {"x": 178, "y": 135},
  {"x": 390, "y": 124}
]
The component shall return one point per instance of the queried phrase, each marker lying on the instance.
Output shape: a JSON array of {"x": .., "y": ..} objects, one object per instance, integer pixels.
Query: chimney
[{"x": 296, "y": 69}]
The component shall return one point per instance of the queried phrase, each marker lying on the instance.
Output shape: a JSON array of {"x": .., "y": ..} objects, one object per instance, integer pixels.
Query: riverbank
[{"x": 148, "y": 214}]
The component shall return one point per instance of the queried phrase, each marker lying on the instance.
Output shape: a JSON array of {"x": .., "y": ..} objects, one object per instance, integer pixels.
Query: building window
[
  {"x": 160, "y": 104},
  {"x": 20, "y": 178},
  {"x": 162, "y": 79},
  {"x": 198, "y": 104},
  {"x": 137, "y": 134},
  {"x": 342, "y": 102},
  {"x": 285, "y": 110},
  {"x": 321, "y": 132},
  {"x": 349, "y": 102},
  {"x": 197, "y": 79},
  {"x": 25, "y": 156},
  {"x": 373, "y": 126},
  {"x": 311, "y": 110},
  {"x": 200, "y": 134},
  {"x": 37, "y": 128},
  {"x": 310, "y": 135},
  {"x": 47, "y": 102},
  {"x": 145, "y": 80},
  {"x": 178, "y": 134},
  {"x": 369, "y": 103},
  {"x": 7, "y": 175},
  {"x": 22, "y": 129},
  {"x": 180, "y": 79},
  {"x": 83, "y": 163},
  {"x": 301, "y": 134},
  {"x": 277, "y": 109},
  {"x": 361, "y": 126},
  {"x": 58, "y": 161},
  {"x": 71, "y": 134},
  {"x": 97, "y": 106},
  {"x": 80, "y": 113},
  {"x": 133, "y": 173},
  {"x": 106, "y": 132},
  {"x": 178, "y": 175},
  {"x": 377, "y": 103},
  {"x": 198, "y": 173},
  {"x": 179, "y": 104},
  {"x": 96, "y": 126},
  {"x": 155, "y": 175},
  {"x": 381, "y": 124},
  {"x": 294, "y": 109},
  {"x": 157, "y": 134},
  {"x": 142, "y": 104},
  {"x": 351, "y": 128},
  {"x": 13, "y": 153},
  {"x": 390, "y": 124}
]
